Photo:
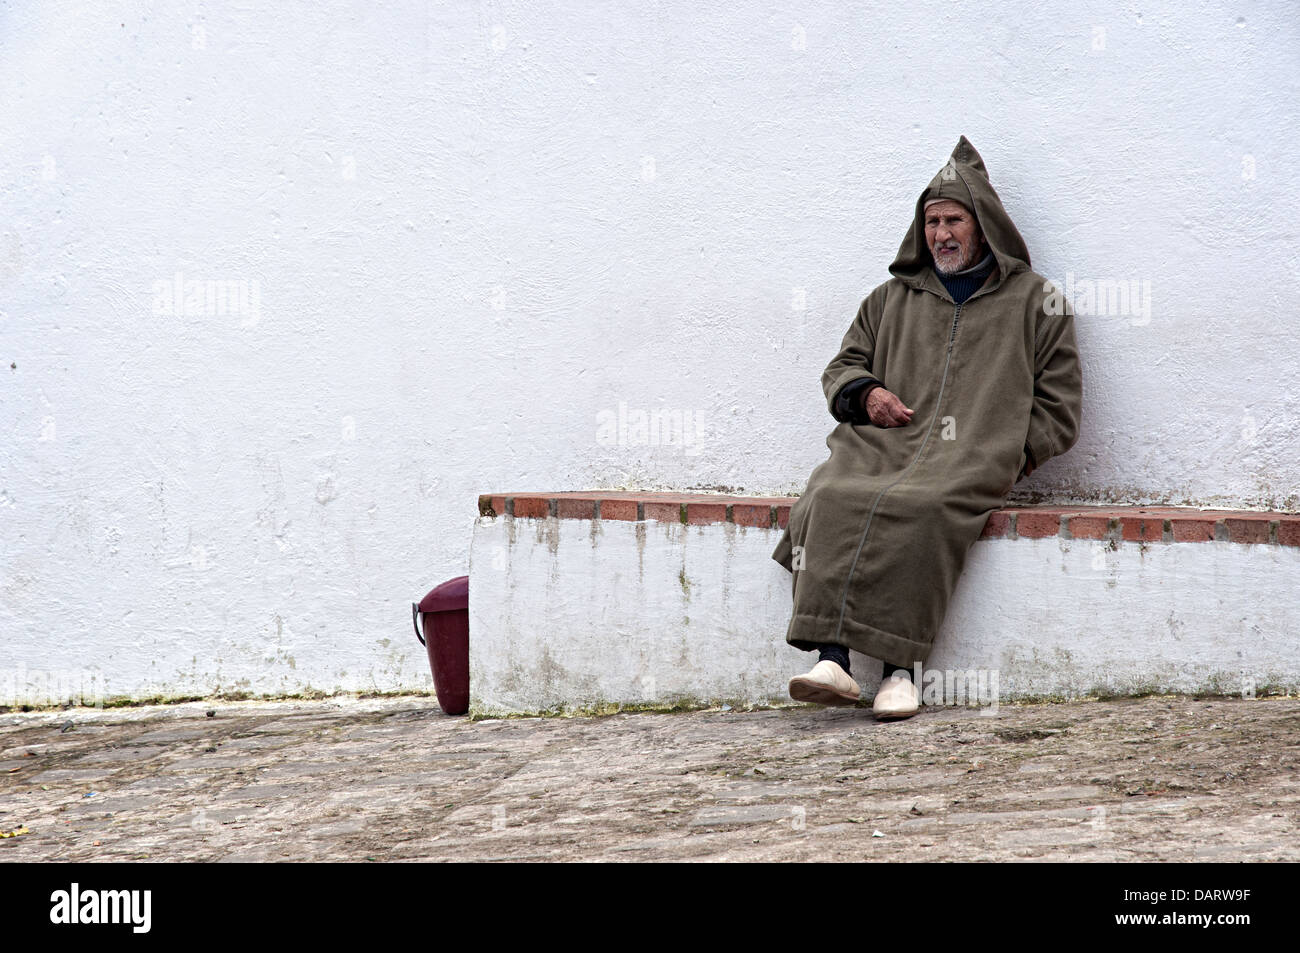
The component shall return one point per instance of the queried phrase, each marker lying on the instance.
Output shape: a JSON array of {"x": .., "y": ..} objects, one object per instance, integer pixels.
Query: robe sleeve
[
  {"x": 852, "y": 363},
  {"x": 850, "y": 404},
  {"x": 1058, "y": 390}
]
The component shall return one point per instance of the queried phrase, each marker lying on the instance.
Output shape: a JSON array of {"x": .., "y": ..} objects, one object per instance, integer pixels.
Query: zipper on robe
[{"x": 943, "y": 381}]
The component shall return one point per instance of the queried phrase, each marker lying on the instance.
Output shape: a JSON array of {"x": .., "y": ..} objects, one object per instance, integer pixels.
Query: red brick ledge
[{"x": 1142, "y": 524}]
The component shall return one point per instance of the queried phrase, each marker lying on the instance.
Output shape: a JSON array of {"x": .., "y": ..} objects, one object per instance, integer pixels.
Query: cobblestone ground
[{"x": 1151, "y": 779}]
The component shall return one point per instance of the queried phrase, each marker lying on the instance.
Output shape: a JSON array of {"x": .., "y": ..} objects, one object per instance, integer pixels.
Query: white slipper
[{"x": 825, "y": 684}]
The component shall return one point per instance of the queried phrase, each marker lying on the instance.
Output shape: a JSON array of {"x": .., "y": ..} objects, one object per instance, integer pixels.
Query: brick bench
[
  {"x": 586, "y": 599},
  {"x": 1155, "y": 524}
]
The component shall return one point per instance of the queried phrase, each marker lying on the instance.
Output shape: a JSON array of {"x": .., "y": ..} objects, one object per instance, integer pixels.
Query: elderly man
[{"x": 955, "y": 379}]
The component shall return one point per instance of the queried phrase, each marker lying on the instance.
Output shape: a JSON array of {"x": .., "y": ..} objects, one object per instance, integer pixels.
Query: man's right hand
[{"x": 885, "y": 409}]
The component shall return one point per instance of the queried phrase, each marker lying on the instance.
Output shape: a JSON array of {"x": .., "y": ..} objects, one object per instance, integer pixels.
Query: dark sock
[
  {"x": 889, "y": 668},
  {"x": 835, "y": 653}
]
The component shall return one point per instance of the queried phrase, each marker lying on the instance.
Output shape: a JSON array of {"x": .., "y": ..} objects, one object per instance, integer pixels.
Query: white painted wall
[{"x": 473, "y": 228}]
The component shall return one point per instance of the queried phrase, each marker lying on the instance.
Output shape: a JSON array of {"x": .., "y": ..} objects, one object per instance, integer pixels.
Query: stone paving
[{"x": 387, "y": 779}]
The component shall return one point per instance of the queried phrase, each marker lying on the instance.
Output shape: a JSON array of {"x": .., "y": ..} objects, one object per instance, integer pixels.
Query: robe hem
[
  {"x": 784, "y": 552},
  {"x": 858, "y": 636},
  {"x": 1041, "y": 447}
]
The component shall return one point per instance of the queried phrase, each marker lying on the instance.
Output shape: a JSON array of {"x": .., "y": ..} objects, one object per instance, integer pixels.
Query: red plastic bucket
[{"x": 446, "y": 639}]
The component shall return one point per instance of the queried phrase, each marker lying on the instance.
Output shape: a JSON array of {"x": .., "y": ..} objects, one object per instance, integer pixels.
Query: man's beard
[{"x": 969, "y": 256}]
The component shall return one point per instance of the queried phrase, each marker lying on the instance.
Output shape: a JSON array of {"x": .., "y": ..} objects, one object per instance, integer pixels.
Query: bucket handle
[{"x": 415, "y": 621}]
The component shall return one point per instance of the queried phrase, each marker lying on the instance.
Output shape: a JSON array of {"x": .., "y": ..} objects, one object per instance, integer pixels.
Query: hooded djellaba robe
[{"x": 878, "y": 539}]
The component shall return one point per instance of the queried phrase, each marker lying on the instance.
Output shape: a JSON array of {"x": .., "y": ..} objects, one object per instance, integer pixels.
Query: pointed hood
[{"x": 965, "y": 180}]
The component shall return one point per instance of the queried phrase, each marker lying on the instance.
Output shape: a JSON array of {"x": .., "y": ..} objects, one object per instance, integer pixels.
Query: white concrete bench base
[{"x": 568, "y": 614}]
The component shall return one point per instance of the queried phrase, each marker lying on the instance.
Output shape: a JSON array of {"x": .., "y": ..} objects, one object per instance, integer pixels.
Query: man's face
[{"x": 952, "y": 236}]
